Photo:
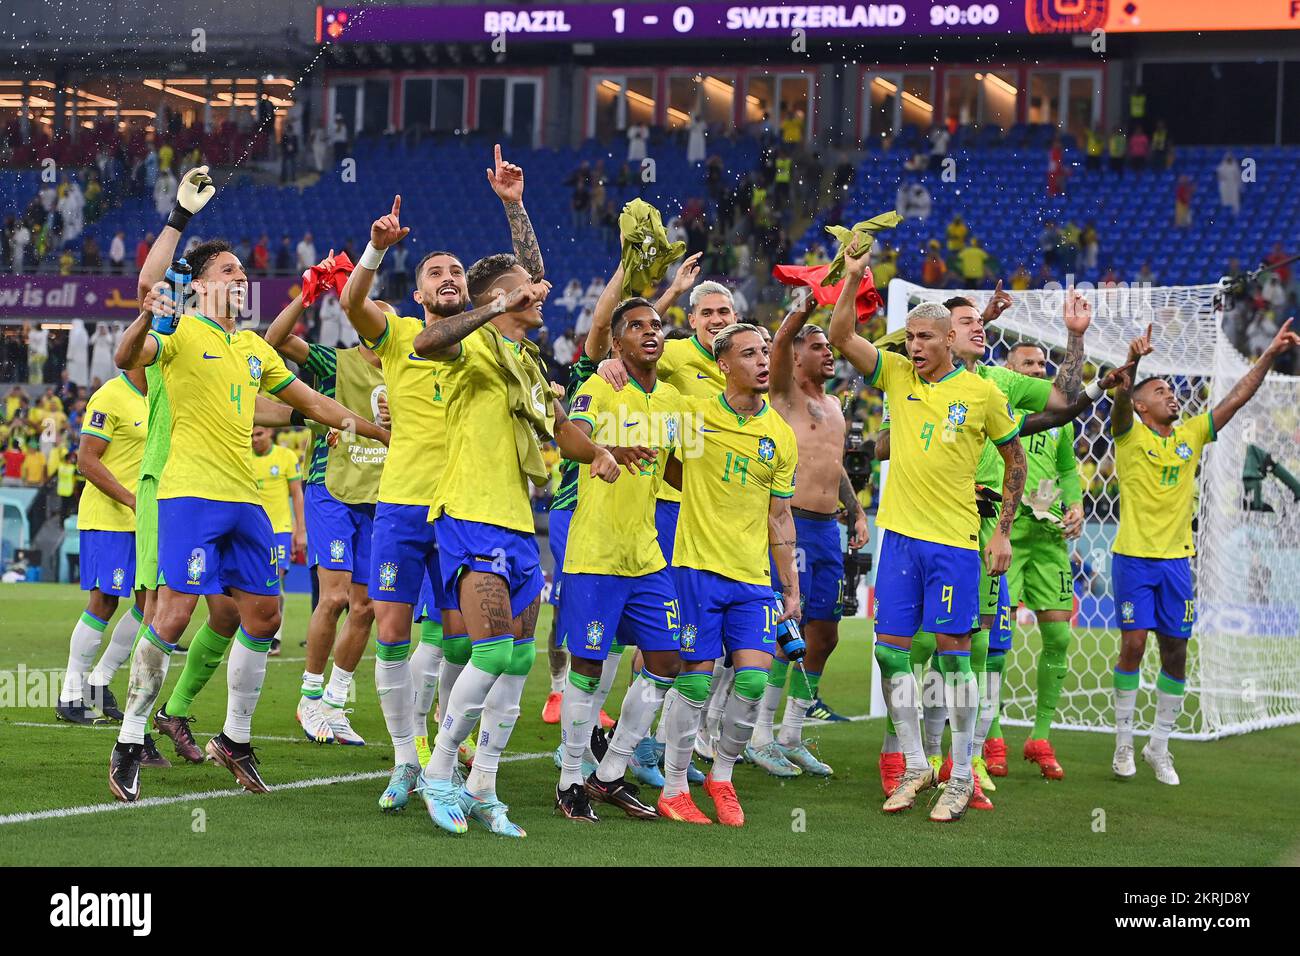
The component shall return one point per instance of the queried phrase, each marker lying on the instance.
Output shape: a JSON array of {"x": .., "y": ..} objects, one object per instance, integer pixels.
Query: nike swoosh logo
[
  {"x": 769, "y": 640},
  {"x": 1152, "y": 454},
  {"x": 700, "y": 375},
  {"x": 942, "y": 620},
  {"x": 132, "y": 790},
  {"x": 418, "y": 358},
  {"x": 139, "y": 423},
  {"x": 272, "y": 582},
  {"x": 912, "y": 398},
  {"x": 630, "y": 424},
  {"x": 207, "y": 356},
  {"x": 713, "y": 430}
]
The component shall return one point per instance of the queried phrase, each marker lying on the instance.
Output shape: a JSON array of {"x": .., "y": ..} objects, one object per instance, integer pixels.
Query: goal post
[{"x": 1244, "y": 659}]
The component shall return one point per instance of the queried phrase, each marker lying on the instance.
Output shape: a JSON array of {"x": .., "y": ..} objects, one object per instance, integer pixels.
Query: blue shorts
[
  {"x": 338, "y": 534},
  {"x": 819, "y": 559},
  {"x": 557, "y": 537},
  {"x": 666, "y": 526},
  {"x": 1154, "y": 594},
  {"x": 1001, "y": 632},
  {"x": 283, "y": 549},
  {"x": 206, "y": 547},
  {"x": 923, "y": 586},
  {"x": 473, "y": 546},
  {"x": 720, "y": 613},
  {"x": 403, "y": 551},
  {"x": 108, "y": 562},
  {"x": 426, "y": 606},
  {"x": 642, "y": 610}
]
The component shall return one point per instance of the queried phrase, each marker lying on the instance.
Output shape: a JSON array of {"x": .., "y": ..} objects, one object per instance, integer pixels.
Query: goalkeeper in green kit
[{"x": 1040, "y": 572}]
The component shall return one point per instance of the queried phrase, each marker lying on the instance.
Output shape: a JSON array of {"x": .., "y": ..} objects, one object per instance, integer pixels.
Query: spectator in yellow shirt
[
  {"x": 1020, "y": 279},
  {"x": 973, "y": 262},
  {"x": 34, "y": 468},
  {"x": 956, "y": 234}
]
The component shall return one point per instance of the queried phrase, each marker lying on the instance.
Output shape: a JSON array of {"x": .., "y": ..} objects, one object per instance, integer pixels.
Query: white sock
[
  {"x": 426, "y": 662},
  {"x": 459, "y": 715},
  {"x": 1125, "y": 705},
  {"x": 148, "y": 674},
  {"x": 577, "y": 712},
  {"x": 1168, "y": 707},
  {"x": 670, "y": 701},
  {"x": 558, "y": 681},
  {"x": 796, "y": 712},
  {"x": 118, "y": 649},
  {"x": 961, "y": 693},
  {"x": 640, "y": 704},
  {"x": 890, "y": 744},
  {"x": 448, "y": 674},
  {"x": 723, "y": 678},
  {"x": 340, "y": 687},
  {"x": 87, "y": 635},
  {"x": 900, "y": 699},
  {"x": 500, "y": 713},
  {"x": 312, "y": 685},
  {"x": 772, "y": 694},
  {"x": 683, "y": 722},
  {"x": 990, "y": 694},
  {"x": 737, "y": 728},
  {"x": 245, "y": 674},
  {"x": 608, "y": 674},
  {"x": 934, "y": 711},
  {"x": 396, "y": 700}
]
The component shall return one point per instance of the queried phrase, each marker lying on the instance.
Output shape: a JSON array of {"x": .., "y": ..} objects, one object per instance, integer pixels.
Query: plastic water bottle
[{"x": 178, "y": 290}]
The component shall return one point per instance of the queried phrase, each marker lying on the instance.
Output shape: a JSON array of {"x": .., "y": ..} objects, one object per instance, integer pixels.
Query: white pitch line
[
  {"x": 93, "y": 808},
  {"x": 106, "y": 726}
]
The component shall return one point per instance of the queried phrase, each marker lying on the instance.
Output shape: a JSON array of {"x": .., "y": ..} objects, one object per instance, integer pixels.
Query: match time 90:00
[{"x": 951, "y": 14}]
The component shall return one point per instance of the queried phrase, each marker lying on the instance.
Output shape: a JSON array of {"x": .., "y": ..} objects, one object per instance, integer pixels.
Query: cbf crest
[
  {"x": 387, "y": 576},
  {"x": 118, "y": 577},
  {"x": 1126, "y": 612},
  {"x": 688, "y": 635},
  {"x": 595, "y": 635},
  {"x": 1183, "y": 451},
  {"x": 336, "y": 549},
  {"x": 195, "y": 565},
  {"x": 957, "y": 413},
  {"x": 766, "y": 448},
  {"x": 255, "y": 368}
]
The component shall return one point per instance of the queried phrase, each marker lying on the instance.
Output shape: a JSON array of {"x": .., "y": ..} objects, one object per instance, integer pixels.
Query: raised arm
[
  {"x": 781, "y": 541},
  {"x": 1121, "y": 412},
  {"x": 442, "y": 339},
  {"x": 683, "y": 281},
  {"x": 1249, "y": 384},
  {"x": 279, "y": 335},
  {"x": 90, "y": 463},
  {"x": 781, "y": 372},
  {"x": 1055, "y": 417},
  {"x": 1069, "y": 375},
  {"x": 1000, "y": 302},
  {"x": 136, "y": 348},
  {"x": 843, "y": 333},
  {"x": 507, "y": 181},
  {"x": 599, "y": 338},
  {"x": 192, "y": 194},
  {"x": 312, "y": 404},
  {"x": 366, "y": 317}
]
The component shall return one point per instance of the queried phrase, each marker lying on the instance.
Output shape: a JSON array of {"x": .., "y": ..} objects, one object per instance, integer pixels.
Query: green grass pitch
[{"x": 1232, "y": 808}]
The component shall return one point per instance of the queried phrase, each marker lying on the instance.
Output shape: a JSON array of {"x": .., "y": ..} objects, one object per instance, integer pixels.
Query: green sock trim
[
  {"x": 157, "y": 642},
  {"x": 954, "y": 664},
  {"x": 492, "y": 656},
  {"x": 521, "y": 659},
  {"x": 1052, "y": 671},
  {"x": 889, "y": 726},
  {"x": 776, "y": 673},
  {"x": 694, "y": 685},
  {"x": 254, "y": 644},
  {"x": 583, "y": 682},
  {"x": 617, "y": 648},
  {"x": 979, "y": 651},
  {"x": 456, "y": 649},
  {"x": 431, "y": 632},
  {"x": 314, "y": 693},
  {"x": 894, "y": 661},
  {"x": 1169, "y": 685},
  {"x": 995, "y": 663},
  {"x": 1125, "y": 681},
  {"x": 923, "y": 645},
  {"x": 803, "y": 685},
  {"x": 750, "y": 683},
  {"x": 207, "y": 650},
  {"x": 392, "y": 652},
  {"x": 91, "y": 621}
]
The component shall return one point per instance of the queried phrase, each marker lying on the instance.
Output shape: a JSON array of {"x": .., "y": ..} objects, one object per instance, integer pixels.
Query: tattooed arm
[
  {"x": 1245, "y": 389},
  {"x": 781, "y": 540},
  {"x": 507, "y": 181},
  {"x": 997, "y": 555},
  {"x": 1069, "y": 375}
]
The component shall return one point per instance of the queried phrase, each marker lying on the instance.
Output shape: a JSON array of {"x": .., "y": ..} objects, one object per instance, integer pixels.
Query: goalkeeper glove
[
  {"x": 1042, "y": 499},
  {"x": 195, "y": 190}
]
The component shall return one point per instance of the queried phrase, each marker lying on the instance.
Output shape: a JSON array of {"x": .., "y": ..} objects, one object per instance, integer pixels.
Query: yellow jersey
[
  {"x": 417, "y": 402},
  {"x": 118, "y": 413},
  {"x": 213, "y": 378},
  {"x": 733, "y": 470},
  {"x": 690, "y": 368},
  {"x": 482, "y": 479},
  {"x": 613, "y": 526},
  {"x": 1157, "y": 487},
  {"x": 273, "y": 472},
  {"x": 937, "y": 431}
]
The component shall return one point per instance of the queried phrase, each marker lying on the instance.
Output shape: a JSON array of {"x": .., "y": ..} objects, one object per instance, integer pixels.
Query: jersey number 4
[{"x": 237, "y": 396}]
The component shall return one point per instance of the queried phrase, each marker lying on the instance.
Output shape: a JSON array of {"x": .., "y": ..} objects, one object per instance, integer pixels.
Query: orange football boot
[
  {"x": 978, "y": 801},
  {"x": 681, "y": 808},
  {"x": 551, "y": 712},
  {"x": 995, "y": 756},
  {"x": 1041, "y": 753},
  {"x": 946, "y": 770},
  {"x": 725, "y": 801},
  {"x": 606, "y": 721},
  {"x": 892, "y": 766}
]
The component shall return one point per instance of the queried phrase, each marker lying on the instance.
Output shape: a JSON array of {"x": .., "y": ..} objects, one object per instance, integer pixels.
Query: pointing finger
[{"x": 397, "y": 205}]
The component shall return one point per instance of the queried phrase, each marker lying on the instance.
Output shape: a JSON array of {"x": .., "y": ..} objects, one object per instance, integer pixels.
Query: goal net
[{"x": 1244, "y": 658}]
